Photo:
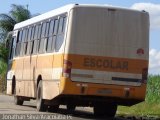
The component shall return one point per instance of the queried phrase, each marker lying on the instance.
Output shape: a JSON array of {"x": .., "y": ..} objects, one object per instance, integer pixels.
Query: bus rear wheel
[
  {"x": 40, "y": 101},
  {"x": 71, "y": 108},
  {"x": 107, "y": 110},
  {"x": 53, "y": 108},
  {"x": 17, "y": 99}
]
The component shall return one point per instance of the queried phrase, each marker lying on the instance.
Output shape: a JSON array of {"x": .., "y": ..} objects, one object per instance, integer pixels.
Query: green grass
[
  {"x": 151, "y": 106},
  {"x": 153, "y": 89},
  {"x": 141, "y": 109}
]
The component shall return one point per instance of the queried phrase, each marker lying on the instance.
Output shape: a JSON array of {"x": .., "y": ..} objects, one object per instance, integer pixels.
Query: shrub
[{"x": 153, "y": 89}]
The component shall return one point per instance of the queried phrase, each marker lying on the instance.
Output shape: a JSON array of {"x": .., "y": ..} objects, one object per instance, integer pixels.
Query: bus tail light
[
  {"x": 144, "y": 75},
  {"x": 67, "y": 66}
]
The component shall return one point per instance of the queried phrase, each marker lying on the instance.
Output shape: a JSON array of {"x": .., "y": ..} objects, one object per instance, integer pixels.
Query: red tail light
[
  {"x": 144, "y": 75},
  {"x": 67, "y": 66}
]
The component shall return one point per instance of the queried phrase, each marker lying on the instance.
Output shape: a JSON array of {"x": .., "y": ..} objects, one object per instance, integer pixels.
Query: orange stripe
[
  {"x": 87, "y": 62},
  {"x": 110, "y": 64},
  {"x": 13, "y": 65}
]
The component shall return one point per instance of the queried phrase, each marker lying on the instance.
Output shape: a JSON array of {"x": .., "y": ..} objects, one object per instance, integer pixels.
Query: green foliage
[
  {"x": 6, "y": 22},
  {"x": 3, "y": 53},
  {"x": 18, "y": 13},
  {"x": 3, "y": 69},
  {"x": 153, "y": 89},
  {"x": 151, "y": 106}
]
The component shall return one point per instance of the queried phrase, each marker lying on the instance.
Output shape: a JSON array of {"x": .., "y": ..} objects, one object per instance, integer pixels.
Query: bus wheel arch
[
  {"x": 39, "y": 99},
  {"x": 39, "y": 78},
  {"x": 18, "y": 100},
  {"x": 13, "y": 84}
]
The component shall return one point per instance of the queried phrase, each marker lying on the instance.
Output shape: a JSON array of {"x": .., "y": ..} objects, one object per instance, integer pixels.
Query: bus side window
[
  {"x": 49, "y": 43},
  {"x": 36, "y": 38},
  {"x": 64, "y": 24},
  {"x": 42, "y": 40},
  {"x": 49, "y": 39},
  {"x": 46, "y": 36},
  {"x": 29, "y": 41},
  {"x": 19, "y": 39},
  {"x": 12, "y": 48},
  {"x": 47, "y": 29},
  {"x": 54, "y": 34},
  {"x": 60, "y": 26},
  {"x": 55, "y": 27},
  {"x": 60, "y": 35},
  {"x": 23, "y": 42}
]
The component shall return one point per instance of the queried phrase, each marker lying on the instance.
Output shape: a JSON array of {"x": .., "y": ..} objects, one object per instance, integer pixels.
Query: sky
[{"x": 151, "y": 6}]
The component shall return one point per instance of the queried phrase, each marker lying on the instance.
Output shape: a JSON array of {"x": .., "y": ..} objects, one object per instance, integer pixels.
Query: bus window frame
[
  {"x": 36, "y": 38},
  {"x": 60, "y": 33}
]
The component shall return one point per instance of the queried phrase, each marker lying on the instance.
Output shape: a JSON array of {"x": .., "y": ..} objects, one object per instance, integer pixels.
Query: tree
[
  {"x": 3, "y": 52},
  {"x": 17, "y": 14}
]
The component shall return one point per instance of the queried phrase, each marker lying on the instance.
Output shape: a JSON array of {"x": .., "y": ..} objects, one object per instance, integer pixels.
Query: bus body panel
[
  {"x": 111, "y": 45},
  {"x": 109, "y": 51}
]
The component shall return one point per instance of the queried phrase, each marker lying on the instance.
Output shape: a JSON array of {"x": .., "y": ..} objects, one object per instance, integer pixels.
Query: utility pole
[{"x": 27, "y": 6}]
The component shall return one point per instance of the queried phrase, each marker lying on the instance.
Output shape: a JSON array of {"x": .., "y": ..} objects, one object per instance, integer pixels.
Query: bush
[
  {"x": 153, "y": 89},
  {"x": 3, "y": 69}
]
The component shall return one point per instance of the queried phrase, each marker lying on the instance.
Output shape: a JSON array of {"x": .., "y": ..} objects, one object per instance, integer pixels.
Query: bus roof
[
  {"x": 61, "y": 10},
  {"x": 44, "y": 16}
]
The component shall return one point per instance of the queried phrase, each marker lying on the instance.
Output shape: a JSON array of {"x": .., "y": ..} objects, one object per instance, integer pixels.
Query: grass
[
  {"x": 151, "y": 106},
  {"x": 141, "y": 109},
  {"x": 153, "y": 89}
]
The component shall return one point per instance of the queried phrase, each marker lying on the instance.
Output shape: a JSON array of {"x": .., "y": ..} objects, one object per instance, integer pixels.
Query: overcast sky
[{"x": 152, "y": 6}]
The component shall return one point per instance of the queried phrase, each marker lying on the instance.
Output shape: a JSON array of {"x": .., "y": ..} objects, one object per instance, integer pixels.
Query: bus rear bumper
[
  {"x": 122, "y": 95},
  {"x": 91, "y": 100}
]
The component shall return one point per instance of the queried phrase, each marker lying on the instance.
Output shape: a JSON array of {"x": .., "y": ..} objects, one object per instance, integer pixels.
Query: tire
[
  {"x": 107, "y": 110},
  {"x": 41, "y": 107},
  {"x": 53, "y": 108},
  {"x": 71, "y": 108},
  {"x": 17, "y": 99}
]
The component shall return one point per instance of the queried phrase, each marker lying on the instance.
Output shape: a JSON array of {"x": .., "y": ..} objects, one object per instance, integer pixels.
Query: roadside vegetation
[
  {"x": 18, "y": 13},
  {"x": 151, "y": 106}
]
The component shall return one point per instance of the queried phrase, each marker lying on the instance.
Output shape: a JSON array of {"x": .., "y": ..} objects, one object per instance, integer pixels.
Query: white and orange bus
[{"x": 80, "y": 55}]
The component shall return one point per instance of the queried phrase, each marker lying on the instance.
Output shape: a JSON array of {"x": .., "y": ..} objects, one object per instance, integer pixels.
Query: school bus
[{"x": 80, "y": 55}]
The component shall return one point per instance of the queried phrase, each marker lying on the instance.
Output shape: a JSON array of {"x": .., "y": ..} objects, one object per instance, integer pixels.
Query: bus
[{"x": 80, "y": 55}]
